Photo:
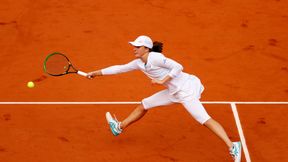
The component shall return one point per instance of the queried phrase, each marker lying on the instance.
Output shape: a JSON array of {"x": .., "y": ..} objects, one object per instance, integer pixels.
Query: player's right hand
[
  {"x": 90, "y": 75},
  {"x": 93, "y": 74}
]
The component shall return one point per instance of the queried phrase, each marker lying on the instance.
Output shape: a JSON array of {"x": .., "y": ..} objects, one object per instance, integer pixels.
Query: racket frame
[{"x": 69, "y": 66}]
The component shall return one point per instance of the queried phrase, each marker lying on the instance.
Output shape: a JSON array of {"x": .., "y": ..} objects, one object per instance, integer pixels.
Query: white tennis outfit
[{"x": 182, "y": 88}]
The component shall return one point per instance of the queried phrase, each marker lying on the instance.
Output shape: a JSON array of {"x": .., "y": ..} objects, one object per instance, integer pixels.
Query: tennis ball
[{"x": 30, "y": 84}]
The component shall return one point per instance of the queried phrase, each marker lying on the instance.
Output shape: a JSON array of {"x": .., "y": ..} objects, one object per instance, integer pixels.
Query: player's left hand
[
  {"x": 160, "y": 82},
  {"x": 156, "y": 81}
]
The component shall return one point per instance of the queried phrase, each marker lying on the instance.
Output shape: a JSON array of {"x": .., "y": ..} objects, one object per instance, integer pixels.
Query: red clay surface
[
  {"x": 265, "y": 131},
  {"x": 237, "y": 48}
]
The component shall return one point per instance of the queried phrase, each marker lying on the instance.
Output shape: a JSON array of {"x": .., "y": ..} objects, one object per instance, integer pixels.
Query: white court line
[
  {"x": 126, "y": 103},
  {"x": 240, "y": 131}
]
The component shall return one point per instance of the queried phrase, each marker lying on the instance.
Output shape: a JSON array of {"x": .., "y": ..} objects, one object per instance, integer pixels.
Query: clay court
[{"x": 237, "y": 48}]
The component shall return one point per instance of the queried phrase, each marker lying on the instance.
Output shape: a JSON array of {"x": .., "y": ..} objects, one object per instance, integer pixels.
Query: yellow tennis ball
[{"x": 30, "y": 84}]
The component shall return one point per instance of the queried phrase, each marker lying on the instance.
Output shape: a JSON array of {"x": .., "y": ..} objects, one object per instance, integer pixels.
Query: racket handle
[{"x": 82, "y": 73}]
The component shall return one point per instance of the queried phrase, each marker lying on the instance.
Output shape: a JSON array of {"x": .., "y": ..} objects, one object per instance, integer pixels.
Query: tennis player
[{"x": 182, "y": 88}]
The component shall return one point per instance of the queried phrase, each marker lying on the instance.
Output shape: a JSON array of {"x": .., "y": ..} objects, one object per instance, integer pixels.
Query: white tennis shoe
[
  {"x": 114, "y": 124},
  {"x": 235, "y": 151}
]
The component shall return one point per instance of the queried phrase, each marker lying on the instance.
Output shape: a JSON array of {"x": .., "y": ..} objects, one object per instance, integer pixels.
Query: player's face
[{"x": 140, "y": 51}]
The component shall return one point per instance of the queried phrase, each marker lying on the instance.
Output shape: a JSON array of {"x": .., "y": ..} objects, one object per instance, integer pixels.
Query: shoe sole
[{"x": 108, "y": 117}]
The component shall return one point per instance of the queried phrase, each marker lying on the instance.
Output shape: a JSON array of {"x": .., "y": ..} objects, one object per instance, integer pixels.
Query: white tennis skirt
[{"x": 189, "y": 96}]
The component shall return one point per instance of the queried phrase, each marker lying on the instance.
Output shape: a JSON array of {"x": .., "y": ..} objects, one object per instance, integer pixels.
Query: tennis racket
[{"x": 57, "y": 64}]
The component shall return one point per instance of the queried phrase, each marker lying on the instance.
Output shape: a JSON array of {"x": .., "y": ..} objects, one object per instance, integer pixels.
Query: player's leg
[
  {"x": 216, "y": 128},
  {"x": 234, "y": 147},
  {"x": 158, "y": 99},
  {"x": 134, "y": 116},
  {"x": 196, "y": 109}
]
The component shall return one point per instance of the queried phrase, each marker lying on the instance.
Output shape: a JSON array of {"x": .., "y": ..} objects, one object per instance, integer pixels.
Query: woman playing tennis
[{"x": 182, "y": 88}]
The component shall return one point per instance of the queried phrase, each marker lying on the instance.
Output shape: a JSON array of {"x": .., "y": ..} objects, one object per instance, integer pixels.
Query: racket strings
[{"x": 57, "y": 65}]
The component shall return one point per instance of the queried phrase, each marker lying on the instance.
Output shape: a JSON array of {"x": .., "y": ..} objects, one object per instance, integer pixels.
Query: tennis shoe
[
  {"x": 114, "y": 124},
  {"x": 235, "y": 151}
]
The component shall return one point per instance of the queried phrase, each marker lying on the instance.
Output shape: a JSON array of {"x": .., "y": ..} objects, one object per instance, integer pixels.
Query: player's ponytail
[{"x": 157, "y": 47}]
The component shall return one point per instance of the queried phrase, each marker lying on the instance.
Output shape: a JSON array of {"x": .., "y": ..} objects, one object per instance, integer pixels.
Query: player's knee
[
  {"x": 203, "y": 119},
  {"x": 141, "y": 108},
  {"x": 207, "y": 122}
]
